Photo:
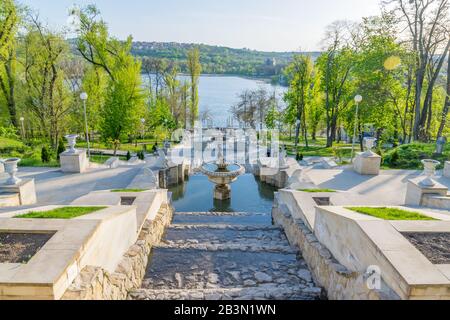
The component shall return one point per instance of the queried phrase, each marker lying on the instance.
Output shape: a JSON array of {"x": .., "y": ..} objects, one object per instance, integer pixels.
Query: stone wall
[
  {"x": 94, "y": 283},
  {"x": 339, "y": 282}
]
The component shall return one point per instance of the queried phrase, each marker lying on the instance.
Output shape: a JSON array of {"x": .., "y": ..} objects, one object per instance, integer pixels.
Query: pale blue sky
[{"x": 278, "y": 25}]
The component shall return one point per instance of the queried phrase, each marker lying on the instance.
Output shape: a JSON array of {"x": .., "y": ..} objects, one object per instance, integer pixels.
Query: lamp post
[
  {"x": 22, "y": 119},
  {"x": 358, "y": 100},
  {"x": 297, "y": 132},
  {"x": 143, "y": 128},
  {"x": 84, "y": 97}
]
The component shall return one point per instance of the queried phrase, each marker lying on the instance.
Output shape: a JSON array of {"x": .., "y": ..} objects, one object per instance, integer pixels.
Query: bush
[
  {"x": 61, "y": 148},
  {"x": 299, "y": 156},
  {"x": 45, "y": 155},
  {"x": 9, "y": 132},
  {"x": 141, "y": 155},
  {"x": 128, "y": 155},
  {"x": 409, "y": 156}
]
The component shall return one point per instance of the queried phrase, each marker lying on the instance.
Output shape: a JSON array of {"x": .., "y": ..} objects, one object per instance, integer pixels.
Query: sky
[{"x": 268, "y": 25}]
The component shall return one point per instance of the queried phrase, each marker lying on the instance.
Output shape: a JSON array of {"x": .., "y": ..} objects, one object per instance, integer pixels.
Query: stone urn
[
  {"x": 11, "y": 168},
  {"x": 369, "y": 143},
  {"x": 429, "y": 171},
  {"x": 72, "y": 140}
]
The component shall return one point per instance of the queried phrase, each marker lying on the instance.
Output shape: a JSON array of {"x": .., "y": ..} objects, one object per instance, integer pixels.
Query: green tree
[
  {"x": 300, "y": 75},
  {"x": 195, "y": 69},
  {"x": 9, "y": 21}
]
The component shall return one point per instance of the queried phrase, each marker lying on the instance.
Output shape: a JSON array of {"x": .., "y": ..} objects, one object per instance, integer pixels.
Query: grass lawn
[
  {"x": 61, "y": 213},
  {"x": 102, "y": 159},
  {"x": 129, "y": 190},
  {"x": 317, "y": 190},
  {"x": 390, "y": 213}
]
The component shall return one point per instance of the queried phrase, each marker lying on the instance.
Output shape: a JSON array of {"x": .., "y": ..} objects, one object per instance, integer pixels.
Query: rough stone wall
[
  {"x": 339, "y": 282},
  {"x": 95, "y": 283}
]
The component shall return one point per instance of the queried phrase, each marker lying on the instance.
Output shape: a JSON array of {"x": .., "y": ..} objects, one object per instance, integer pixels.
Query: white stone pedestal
[
  {"x": 415, "y": 191},
  {"x": 446, "y": 169},
  {"x": 25, "y": 189},
  {"x": 367, "y": 163},
  {"x": 2, "y": 167},
  {"x": 74, "y": 162}
]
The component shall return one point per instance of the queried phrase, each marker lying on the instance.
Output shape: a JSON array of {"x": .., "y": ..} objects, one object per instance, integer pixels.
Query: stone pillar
[
  {"x": 416, "y": 190},
  {"x": 26, "y": 190},
  {"x": 162, "y": 178},
  {"x": 446, "y": 169},
  {"x": 74, "y": 162},
  {"x": 367, "y": 163}
]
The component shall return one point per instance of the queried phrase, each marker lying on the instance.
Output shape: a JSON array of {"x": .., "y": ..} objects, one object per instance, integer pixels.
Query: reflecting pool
[{"x": 248, "y": 195}]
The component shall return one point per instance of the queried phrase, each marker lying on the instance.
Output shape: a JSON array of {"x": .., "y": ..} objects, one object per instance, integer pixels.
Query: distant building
[{"x": 271, "y": 62}]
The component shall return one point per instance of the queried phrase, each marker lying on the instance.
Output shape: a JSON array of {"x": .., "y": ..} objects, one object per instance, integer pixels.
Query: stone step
[
  {"x": 228, "y": 218},
  {"x": 264, "y": 292},
  {"x": 175, "y": 268},
  {"x": 251, "y": 238}
]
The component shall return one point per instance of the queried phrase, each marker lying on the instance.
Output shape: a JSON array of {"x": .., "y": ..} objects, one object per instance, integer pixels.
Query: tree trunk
[{"x": 447, "y": 102}]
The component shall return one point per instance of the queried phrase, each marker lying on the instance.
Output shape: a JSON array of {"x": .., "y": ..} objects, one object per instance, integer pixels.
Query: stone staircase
[{"x": 225, "y": 256}]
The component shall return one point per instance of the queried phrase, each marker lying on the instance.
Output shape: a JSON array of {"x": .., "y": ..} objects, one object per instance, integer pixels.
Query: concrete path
[
  {"x": 226, "y": 256},
  {"x": 54, "y": 187}
]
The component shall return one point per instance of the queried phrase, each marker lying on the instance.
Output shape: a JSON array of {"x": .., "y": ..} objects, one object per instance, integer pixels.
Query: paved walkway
[{"x": 226, "y": 256}]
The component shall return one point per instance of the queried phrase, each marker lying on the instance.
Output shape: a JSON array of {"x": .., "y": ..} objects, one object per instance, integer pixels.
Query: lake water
[{"x": 220, "y": 93}]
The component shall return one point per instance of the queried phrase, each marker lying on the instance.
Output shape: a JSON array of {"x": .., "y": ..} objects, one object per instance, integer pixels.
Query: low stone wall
[
  {"x": 339, "y": 282},
  {"x": 94, "y": 283}
]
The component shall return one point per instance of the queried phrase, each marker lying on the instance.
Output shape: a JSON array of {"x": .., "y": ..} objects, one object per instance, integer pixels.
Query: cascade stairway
[{"x": 225, "y": 256}]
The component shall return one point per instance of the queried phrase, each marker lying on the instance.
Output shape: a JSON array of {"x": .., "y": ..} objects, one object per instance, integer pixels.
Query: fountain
[{"x": 222, "y": 175}]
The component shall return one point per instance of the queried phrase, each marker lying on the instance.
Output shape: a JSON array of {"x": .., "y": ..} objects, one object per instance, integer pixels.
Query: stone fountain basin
[{"x": 218, "y": 177}]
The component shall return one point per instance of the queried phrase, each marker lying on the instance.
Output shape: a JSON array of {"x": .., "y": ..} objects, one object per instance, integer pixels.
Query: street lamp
[
  {"x": 143, "y": 128},
  {"x": 297, "y": 131},
  {"x": 22, "y": 119},
  {"x": 84, "y": 97},
  {"x": 358, "y": 100}
]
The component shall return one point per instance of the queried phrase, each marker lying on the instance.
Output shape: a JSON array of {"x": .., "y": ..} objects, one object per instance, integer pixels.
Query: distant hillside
[{"x": 221, "y": 60}]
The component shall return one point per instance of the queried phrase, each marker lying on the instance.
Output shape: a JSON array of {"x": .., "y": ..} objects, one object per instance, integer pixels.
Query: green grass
[
  {"x": 317, "y": 190},
  {"x": 61, "y": 213},
  {"x": 129, "y": 190},
  {"x": 390, "y": 213},
  {"x": 102, "y": 159},
  {"x": 35, "y": 162}
]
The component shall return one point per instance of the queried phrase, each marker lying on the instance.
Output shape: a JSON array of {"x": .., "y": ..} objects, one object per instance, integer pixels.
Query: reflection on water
[{"x": 248, "y": 195}]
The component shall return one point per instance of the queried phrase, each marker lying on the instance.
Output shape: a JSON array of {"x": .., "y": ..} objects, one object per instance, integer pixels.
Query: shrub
[
  {"x": 128, "y": 155},
  {"x": 141, "y": 155},
  {"x": 45, "y": 155},
  {"x": 9, "y": 132},
  {"x": 61, "y": 148},
  {"x": 299, "y": 156}
]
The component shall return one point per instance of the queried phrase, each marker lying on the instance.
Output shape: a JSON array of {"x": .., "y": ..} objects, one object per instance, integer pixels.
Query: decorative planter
[
  {"x": 369, "y": 143},
  {"x": 429, "y": 172},
  {"x": 72, "y": 140},
  {"x": 11, "y": 168}
]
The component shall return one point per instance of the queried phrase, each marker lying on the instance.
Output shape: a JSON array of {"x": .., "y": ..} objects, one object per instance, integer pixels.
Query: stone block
[
  {"x": 446, "y": 169},
  {"x": 112, "y": 162},
  {"x": 74, "y": 162},
  {"x": 25, "y": 189},
  {"x": 415, "y": 191},
  {"x": 2, "y": 167},
  {"x": 367, "y": 164}
]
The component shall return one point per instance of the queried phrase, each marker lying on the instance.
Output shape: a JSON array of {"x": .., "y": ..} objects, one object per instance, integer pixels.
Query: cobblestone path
[{"x": 226, "y": 256}]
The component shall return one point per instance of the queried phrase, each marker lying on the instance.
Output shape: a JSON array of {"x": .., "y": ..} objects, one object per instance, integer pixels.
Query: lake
[{"x": 220, "y": 93}]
